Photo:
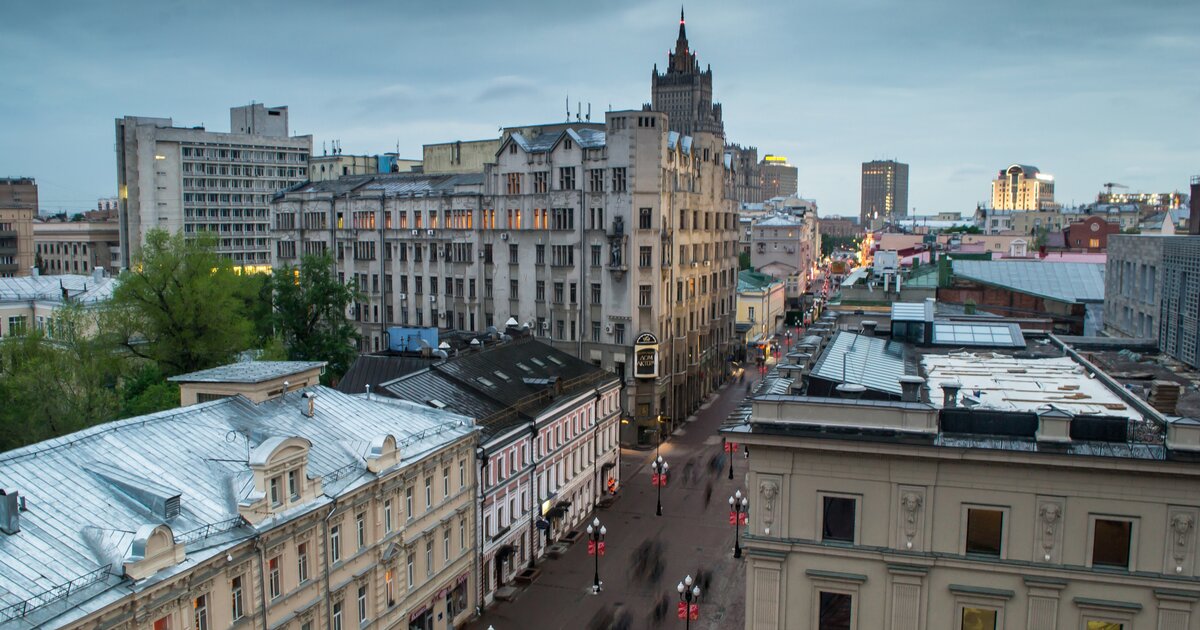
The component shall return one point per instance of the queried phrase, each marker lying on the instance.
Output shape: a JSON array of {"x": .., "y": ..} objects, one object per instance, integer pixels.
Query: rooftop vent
[
  {"x": 868, "y": 327},
  {"x": 162, "y": 501},
  {"x": 852, "y": 391},
  {"x": 10, "y": 512}
]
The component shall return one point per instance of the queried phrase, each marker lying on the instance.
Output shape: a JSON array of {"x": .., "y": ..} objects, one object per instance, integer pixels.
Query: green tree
[
  {"x": 182, "y": 305},
  {"x": 56, "y": 381},
  {"x": 830, "y": 244},
  {"x": 744, "y": 261},
  {"x": 145, "y": 390},
  {"x": 310, "y": 314}
]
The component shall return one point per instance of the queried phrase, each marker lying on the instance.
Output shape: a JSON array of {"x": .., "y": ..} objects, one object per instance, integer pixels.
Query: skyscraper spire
[{"x": 682, "y": 32}]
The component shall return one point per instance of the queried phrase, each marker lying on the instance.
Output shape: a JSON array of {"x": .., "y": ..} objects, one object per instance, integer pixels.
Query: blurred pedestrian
[{"x": 708, "y": 488}]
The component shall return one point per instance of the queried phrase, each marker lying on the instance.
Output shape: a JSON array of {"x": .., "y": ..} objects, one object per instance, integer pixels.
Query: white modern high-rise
[{"x": 197, "y": 181}]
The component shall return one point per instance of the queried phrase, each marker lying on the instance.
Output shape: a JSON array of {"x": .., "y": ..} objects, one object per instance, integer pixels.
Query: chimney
[
  {"x": 1164, "y": 396},
  {"x": 910, "y": 388},
  {"x": 35, "y": 272},
  {"x": 851, "y": 391},
  {"x": 950, "y": 394},
  {"x": 868, "y": 327},
  {"x": 312, "y": 403},
  {"x": 97, "y": 273},
  {"x": 10, "y": 512}
]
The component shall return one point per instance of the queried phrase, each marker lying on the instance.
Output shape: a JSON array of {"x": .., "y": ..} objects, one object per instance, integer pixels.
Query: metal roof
[
  {"x": 1060, "y": 281},
  {"x": 391, "y": 184},
  {"x": 912, "y": 311},
  {"x": 776, "y": 220},
  {"x": 500, "y": 386},
  {"x": 375, "y": 369},
  {"x": 873, "y": 362},
  {"x": 78, "y": 528},
  {"x": 81, "y": 289},
  {"x": 248, "y": 372}
]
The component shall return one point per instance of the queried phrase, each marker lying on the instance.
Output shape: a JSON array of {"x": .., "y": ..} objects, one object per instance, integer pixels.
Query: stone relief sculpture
[
  {"x": 1050, "y": 514},
  {"x": 910, "y": 503},
  {"x": 769, "y": 489},
  {"x": 1181, "y": 527}
]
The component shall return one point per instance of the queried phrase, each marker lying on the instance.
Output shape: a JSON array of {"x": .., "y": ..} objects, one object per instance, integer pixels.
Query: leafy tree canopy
[{"x": 310, "y": 314}]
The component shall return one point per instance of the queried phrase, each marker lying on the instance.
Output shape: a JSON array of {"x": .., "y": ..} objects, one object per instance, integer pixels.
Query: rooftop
[
  {"x": 1073, "y": 283},
  {"x": 391, "y": 184},
  {"x": 755, "y": 281},
  {"x": 79, "y": 289},
  {"x": 248, "y": 372},
  {"x": 87, "y": 492}
]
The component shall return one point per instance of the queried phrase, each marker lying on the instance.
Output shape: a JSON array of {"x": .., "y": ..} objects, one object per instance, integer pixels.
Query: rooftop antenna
[
  {"x": 568, "y": 103},
  {"x": 578, "y": 111},
  {"x": 589, "y": 114}
]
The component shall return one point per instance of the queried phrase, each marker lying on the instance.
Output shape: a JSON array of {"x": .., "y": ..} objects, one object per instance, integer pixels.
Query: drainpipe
[
  {"x": 533, "y": 496},
  {"x": 325, "y": 555},
  {"x": 262, "y": 593},
  {"x": 480, "y": 578},
  {"x": 582, "y": 272}
]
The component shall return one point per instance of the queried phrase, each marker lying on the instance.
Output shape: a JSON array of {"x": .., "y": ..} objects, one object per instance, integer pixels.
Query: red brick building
[{"x": 1090, "y": 235}]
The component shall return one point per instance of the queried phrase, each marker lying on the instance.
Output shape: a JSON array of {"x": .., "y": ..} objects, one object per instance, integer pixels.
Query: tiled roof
[
  {"x": 248, "y": 372},
  {"x": 83, "y": 510},
  {"x": 1059, "y": 281}
]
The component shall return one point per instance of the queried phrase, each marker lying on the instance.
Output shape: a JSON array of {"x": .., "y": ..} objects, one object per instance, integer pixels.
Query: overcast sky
[{"x": 1091, "y": 91}]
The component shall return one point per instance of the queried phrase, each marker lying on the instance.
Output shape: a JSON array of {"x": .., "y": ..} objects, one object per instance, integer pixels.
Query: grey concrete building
[
  {"x": 1152, "y": 290},
  {"x": 777, "y": 177},
  {"x": 884, "y": 190},
  {"x": 190, "y": 180},
  {"x": 611, "y": 240}
]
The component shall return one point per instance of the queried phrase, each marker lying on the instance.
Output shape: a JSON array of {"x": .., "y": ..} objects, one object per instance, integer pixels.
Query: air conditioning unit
[
  {"x": 442, "y": 315},
  {"x": 403, "y": 296},
  {"x": 416, "y": 232},
  {"x": 546, "y": 325},
  {"x": 504, "y": 236},
  {"x": 433, "y": 299},
  {"x": 429, "y": 233},
  {"x": 608, "y": 328}
]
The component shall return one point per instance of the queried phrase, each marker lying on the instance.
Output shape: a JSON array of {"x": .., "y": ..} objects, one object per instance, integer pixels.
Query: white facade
[{"x": 195, "y": 181}]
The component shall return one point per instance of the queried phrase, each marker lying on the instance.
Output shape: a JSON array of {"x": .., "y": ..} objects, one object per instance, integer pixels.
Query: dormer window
[
  {"x": 275, "y": 500},
  {"x": 293, "y": 487}
]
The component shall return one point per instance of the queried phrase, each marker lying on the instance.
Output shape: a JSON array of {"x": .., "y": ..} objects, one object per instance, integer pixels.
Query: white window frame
[
  {"x": 820, "y": 526},
  {"x": 1005, "y": 524},
  {"x": 1133, "y": 537}
]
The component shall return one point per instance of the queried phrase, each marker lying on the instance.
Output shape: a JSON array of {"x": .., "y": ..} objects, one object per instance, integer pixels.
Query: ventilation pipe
[
  {"x": 851, "y": 391},
  {"x": 312, "y": 403},
  {"x": 869, "y": 326},
  {"x": 10, "y": 512},
  {"x": 950, "y": 394}
]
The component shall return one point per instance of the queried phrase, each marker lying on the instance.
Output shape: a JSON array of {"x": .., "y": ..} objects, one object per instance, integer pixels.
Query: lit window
[{"x": 978, "y": 619}]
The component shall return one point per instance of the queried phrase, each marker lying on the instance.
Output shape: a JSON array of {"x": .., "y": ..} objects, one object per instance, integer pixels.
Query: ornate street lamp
[
  {"x": 659, "y": 479},
  {"x": 689, "y": 595},
  {"x": 741, "y": 508},
  {"x": 596, "y": 533}
]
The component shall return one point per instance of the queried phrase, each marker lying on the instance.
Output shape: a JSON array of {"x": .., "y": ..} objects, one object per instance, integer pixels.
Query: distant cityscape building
[
  {"x": 884, "y": 190},
  {"x": 684, "y": 92},
  {"x": 761, "y": 305},
  {"x": 195, "y": 181},
  {"x": 328, "y": 167},
  {"x": 742, "y": 179},
  {"x": 777, "y": 177},
  {"x": 786, "y": 246},
  {"x": 564, "y": 232},
  {"x": 18, "y": 207},
  {"x": 1023, "y": 187},
  {"x": 309, "y": 509},
  {"x": 108, "y": 204},
  {"x": 1090, "y": 234},
  {"x": 1152, "y": 290},
  {"x": 1149, "y": 203},
  {"x": 77, "y": 246},
  {"x": 841, "y": 227}
]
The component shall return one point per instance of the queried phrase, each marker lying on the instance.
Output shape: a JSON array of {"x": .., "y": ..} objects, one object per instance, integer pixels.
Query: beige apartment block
[
  {"x": 77, "y": 246},
  {"x": 313, "y": 509},
  {"x": 18, "y": 207},
  {"x": 1023, "y": 187},
  {"x": 33, "y": 302},
  {"x": 256, "y": 380},
  {"x": 460, "y": 156},
  {"x": 1043, "y": 497},
  {"x": 595, "y": 235}
]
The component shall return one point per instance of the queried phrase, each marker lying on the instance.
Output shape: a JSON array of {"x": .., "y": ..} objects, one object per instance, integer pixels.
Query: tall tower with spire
[{"x": 684, "y": 91}]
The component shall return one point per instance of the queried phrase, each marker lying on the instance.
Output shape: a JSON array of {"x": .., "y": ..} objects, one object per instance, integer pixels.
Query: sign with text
[{"x": 645, "y": 356}]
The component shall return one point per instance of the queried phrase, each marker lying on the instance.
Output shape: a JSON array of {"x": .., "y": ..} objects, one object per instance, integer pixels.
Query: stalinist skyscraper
[{"x": 684, "y": 92}]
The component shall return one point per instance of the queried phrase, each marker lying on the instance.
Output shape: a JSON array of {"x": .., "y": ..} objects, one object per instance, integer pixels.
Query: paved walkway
[{"x": 695, "y": 535}]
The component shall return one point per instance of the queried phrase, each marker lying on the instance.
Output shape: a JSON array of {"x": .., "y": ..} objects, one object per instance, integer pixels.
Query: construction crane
[{"x": 1109, "y": 186}]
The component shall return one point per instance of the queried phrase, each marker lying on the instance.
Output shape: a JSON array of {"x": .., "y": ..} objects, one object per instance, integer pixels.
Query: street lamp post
[
  {"x": 740, "y": 506},
  {"x": 688, "y": 593},
  {"x": 659, "y": 468},
  {"x": 730, "y": 447},
  {"x": 596, "y": 532}
]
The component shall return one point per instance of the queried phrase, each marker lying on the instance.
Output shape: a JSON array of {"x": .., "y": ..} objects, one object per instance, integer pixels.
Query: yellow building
[
  {"x": 1023, "y": 187},
  {"x": 760, "y": 307},
  {"x": 459, "y": 156},
  {"x": 312, "y": 509},
  {"x": 18, "y": 206}
]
